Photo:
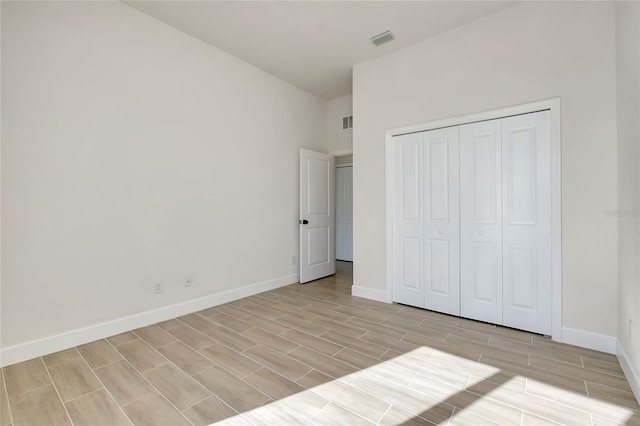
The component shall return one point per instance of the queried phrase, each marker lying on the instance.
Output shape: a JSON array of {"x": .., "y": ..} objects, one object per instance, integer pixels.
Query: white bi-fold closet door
[{"x": 471, "y": 221}]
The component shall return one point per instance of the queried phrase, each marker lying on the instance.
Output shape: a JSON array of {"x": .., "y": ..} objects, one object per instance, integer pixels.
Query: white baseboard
[
  {"x": 632, "y": 375},
  {"x": 35, "y": 348},
  {"x": 589, "y": 340},
  {"x": 369, "y": 293}
]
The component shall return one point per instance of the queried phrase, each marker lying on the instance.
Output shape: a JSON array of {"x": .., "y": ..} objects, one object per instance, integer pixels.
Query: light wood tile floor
[{"x": 313, "y": 354}]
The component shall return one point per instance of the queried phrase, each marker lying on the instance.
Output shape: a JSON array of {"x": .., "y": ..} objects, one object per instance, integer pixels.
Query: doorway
[{"x": 344, "y": 208}]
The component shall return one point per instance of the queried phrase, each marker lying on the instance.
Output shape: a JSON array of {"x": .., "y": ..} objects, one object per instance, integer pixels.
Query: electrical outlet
[
  {"x": 188, "y": 281},
  {"x": 630, "y": 329},
  {"x": 293, "y": 260},
  {"x": 158, "y": 287}
]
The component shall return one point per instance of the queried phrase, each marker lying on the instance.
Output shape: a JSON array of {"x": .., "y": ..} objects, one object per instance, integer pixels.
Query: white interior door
[
  {"x": 408, "y": 207},
  {"x": 441, "y": 220},
  {"x": 317, "y": 215},
  {"x": 526, "y": 187},
  {"x": 344, "y": 213},
  {"x": 481, "y": 221}
]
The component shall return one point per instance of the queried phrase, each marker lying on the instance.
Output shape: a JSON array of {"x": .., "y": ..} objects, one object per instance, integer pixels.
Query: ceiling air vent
[{"x": 382, "y": 38}]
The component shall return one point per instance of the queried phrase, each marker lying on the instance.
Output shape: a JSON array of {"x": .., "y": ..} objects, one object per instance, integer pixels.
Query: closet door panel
[
  {"x": 481, "y": 221},
  {"x": 408, "y": 238},
  {"x": 527, "y": 221},
  {"x": 441, "y": 220},
  {"x": 344, "y": 213}
]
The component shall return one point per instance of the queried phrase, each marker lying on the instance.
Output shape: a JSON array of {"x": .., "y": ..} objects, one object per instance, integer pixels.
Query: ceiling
[{"x": 314, "y": 44}]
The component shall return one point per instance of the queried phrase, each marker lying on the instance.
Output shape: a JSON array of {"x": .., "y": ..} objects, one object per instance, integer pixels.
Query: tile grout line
[
  {"x": 384, "y": 414},
  {"x": 202, "y": 400},
  {"x": 151, "y": 384},
  {"x": 30, "y": 390},
  {"x": 6, "y": 394},
  {"x": 56, "y": 389},
  {"x": 102, "y": 383}
]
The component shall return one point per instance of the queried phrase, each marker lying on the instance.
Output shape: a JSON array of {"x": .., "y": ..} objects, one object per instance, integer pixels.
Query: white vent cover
[
  {"x": 382, "y": 38},
  {"x": 347, "y": 122}
]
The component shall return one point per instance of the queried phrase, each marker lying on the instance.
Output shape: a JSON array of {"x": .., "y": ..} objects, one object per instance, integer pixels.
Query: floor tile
[
  {"x": 233, "y": 339},
  {"x": 191, "y": 337},
  {"x": 234, "y": 362},
  {"x": 613, "y": 395},
  {"x": 529, "y": 419},
  {"x": 96, "y": 409},
  {"x": 168, "y": 325},
  {"x": 302, "y": 325},
  {"x": 180, "y": 389},
  {"x": 312, "y": 342},
  {"x": 611, "y": 411},
  {"x": 357, "y": 359},
  {"x": 124, "y": 382},
  {"x": 278, "y": 362},
  {"x": 190, "y": 361},
  {"x": 142, "y": 356},
  {"x": 99, "y": 353},
  {"x": 272, "y": 384},
  {"x": 40, "y": 406},
  {"x": 234, "y": 324},
  {"x": 327, "y": 313},
  {"x": 314, "y": 378},
  {"x": 25, "y": 376},
  {"x": 602, "y": 366},
  {"x": 260, "y": 310},
  {"x": 154, "y": 410},
  {"x": 365, "y": 405},
  {"x": 332, "y": 415},
  {"x": 343, "y": 328},
  {"x": 209, "y": 411},
  {"x": 274, "y": 413},
  {"x": 435, "y": 409},
  {"x": 236, "y": 393},
  {"x": 271, "y": 340},
  {"x": 154, "y": 336},
  {"x": 5, "y": 415},
  {"x": 232, "y": 311},
  {"x": 389, "y": 342},
  {"x": 466, "y": 418},
  {"x": 397, "y": 416},
  {"x": 73, "y": 378},
  {"x": 196, "y": 321},
  {"x": 266, "y": 324},
  {"x": 121, "y": 338},
  {"x": 56, "y": 357},
  {"x": 580, "y": 373},
  {"x": 366, "y": 348}
]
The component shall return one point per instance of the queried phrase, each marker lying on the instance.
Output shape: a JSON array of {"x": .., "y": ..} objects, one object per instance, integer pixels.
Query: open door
[{"x": 317, "y": 215}]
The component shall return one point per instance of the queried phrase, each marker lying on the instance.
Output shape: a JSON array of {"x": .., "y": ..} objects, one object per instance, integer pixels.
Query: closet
[
  {"x": 472, "y": 221},
  {"x": 344, "y": 212}
]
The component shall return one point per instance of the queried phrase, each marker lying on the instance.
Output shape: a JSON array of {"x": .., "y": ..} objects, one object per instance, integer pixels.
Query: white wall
[
  {"x": 628, "y": 100},
  {"x": 529, "y": 52},
  {"x": 117, "y": 131},
  {"x": 338, "y": 139}
]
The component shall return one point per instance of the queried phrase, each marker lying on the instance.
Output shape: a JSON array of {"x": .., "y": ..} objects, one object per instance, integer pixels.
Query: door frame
[{"x": 553, "y": 105}]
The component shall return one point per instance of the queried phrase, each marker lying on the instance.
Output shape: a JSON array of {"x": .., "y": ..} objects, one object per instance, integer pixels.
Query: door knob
[
  {"x": 480, "y": 233},
  {"x": 303, "y": 221}
]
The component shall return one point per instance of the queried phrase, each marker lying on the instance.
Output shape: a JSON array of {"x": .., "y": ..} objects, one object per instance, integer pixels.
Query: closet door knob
[
  {"x": 480, "y": 233},
  {"x": 440, "y": 232}
]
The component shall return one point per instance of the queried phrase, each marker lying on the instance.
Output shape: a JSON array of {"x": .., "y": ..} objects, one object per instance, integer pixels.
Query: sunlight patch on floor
[{"x": 421, "y": 383}]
